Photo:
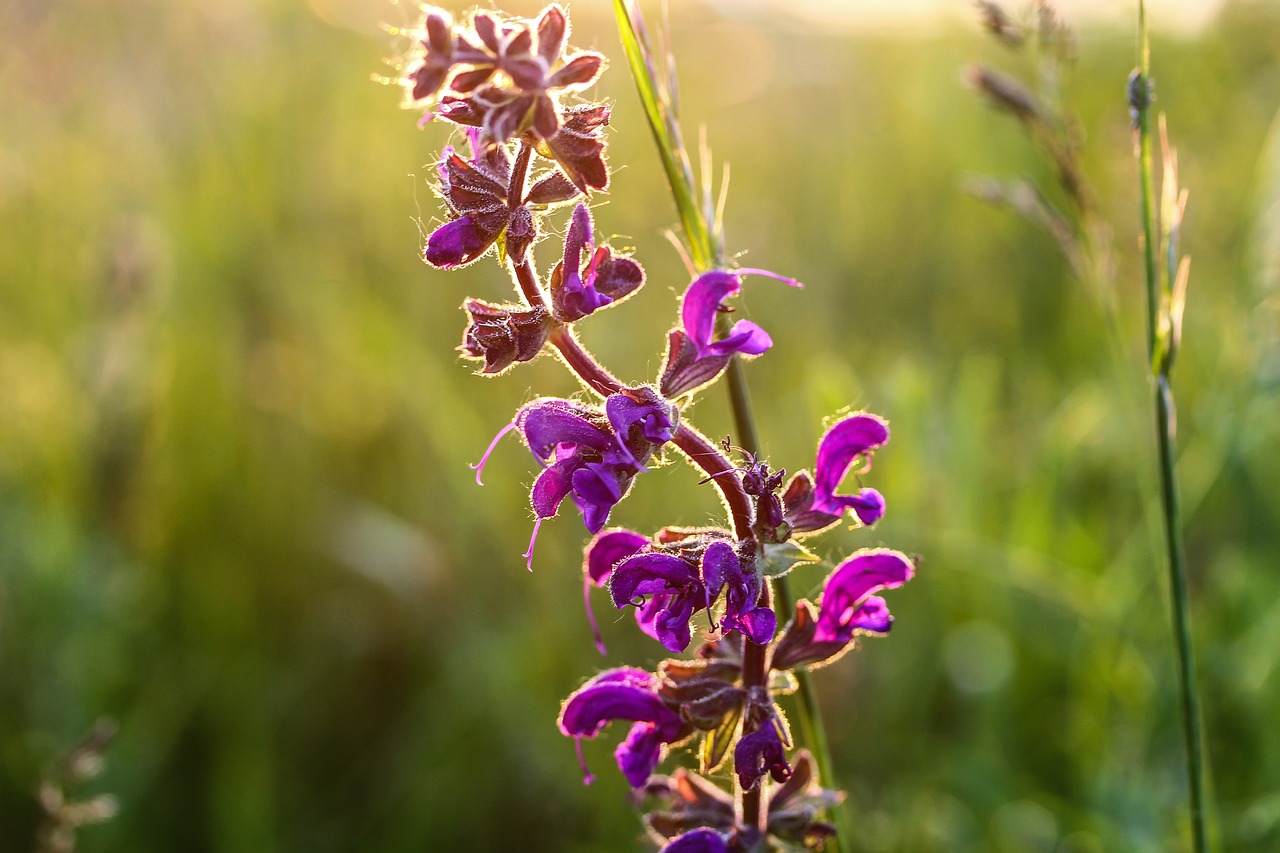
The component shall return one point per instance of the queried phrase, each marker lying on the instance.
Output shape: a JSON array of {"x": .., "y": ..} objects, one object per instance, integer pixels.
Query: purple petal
[
  {"x": 654, "y": 418},
  {"x": 548, "y": 422},
  {"x": 843, "y": 443},
  {"x": 640, "y": 753},
  {"x": 671, "y": 623},
  {"x": 850, "y": 585},
  {"x": 697, "y": 841},
  {"x": 649, "y": 574},
  {"x": 607, "y": 549},
  {"x": 455, "y": 244},
  {"x": 551, "y": 487},
  {"x": 758, "y": 753},
  {"x": 703, "y": 299},
  {"x": 626, "y": 694},
  {"x": 720, "y": 565},
  {"x": 745, "y": 337},
  {"x": 872, "y": 616},
  {"x": 596, "y": 491},
  {"x": 758, "y": 624}
]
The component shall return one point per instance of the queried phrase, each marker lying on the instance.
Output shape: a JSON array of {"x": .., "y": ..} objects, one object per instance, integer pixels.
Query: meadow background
[{"x": 235, "y": 510}]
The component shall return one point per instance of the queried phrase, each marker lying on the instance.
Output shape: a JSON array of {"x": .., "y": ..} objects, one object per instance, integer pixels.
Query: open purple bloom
[
  {"x": 811, "y": 501},
  {"x": 676, "y": 589},
  {"x": 694, "y": 355},
  {"x": 606, "y": 280},
  {"x": 848, "y": 607},
  {"x": 582, "y": 455},
  {"x": 721, "y": 568},
  {"x": 624, "y": 694}
]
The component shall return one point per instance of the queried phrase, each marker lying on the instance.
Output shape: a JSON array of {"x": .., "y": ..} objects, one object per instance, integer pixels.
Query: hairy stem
[
  {"x": 719, "y": 470},
  {"x": 1158, "y": 354}
]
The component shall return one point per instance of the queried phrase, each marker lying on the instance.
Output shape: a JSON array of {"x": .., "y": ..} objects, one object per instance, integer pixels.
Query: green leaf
[
  {"x": 717, "y": 742},
  {"x": 781, "y": 558}
]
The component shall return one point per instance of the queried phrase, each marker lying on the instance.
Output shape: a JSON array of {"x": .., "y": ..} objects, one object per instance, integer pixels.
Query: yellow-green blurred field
[{"x": 236, "y": 515}]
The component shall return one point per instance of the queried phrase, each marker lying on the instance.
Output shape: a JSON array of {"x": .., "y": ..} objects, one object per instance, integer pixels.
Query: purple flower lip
[{"x": 628, "y": 694}]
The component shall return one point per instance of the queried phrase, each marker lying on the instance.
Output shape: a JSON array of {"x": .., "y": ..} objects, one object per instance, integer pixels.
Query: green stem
[{"x": 1158, "y": 354}]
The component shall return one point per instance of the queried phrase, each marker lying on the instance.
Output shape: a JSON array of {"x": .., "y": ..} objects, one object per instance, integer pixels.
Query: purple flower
[
  {"x": 697, "y": 841},
  {"x": 582, "y": 454},
  {"x": 758, "y": 753},
  {"x": 694, "y": 356},
  {"x": 847, "y": 604},
  {"x": 721, "y": 567},
  {"x": 811, "y": 502},
  {"x": 848, "y": 607},
  {"x": 606, "y": 280},
  {"x": 676, "y": 589},
  {"x": 624, "y": 694}
]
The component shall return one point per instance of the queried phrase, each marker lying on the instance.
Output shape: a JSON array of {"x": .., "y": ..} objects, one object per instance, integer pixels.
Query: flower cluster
[{"x": 531, "y": 147}]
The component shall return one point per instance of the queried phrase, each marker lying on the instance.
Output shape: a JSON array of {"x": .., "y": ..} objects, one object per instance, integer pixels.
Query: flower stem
[
  {"x": 1158, "y": 351},
  {"x": 812, "y": 727}
]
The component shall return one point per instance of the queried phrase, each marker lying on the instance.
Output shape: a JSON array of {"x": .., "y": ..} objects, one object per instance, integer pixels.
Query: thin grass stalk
[
  {"x": 703, "y": 241},
  {"x": 1161, "y": 341}
]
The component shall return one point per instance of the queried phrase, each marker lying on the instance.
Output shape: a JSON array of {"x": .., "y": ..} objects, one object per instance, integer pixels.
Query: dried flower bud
[{"x": 502, "y": 335}]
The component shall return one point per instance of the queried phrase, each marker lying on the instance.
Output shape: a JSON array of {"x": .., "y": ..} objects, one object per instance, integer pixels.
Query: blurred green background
[{"x": 236, "y": 515}]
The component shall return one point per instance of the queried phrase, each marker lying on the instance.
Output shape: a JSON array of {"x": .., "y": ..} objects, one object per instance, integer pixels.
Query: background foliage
[{"x": 235, "y": 514}]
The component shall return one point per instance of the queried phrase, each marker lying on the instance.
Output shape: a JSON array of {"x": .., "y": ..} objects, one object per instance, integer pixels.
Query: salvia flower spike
[{"x": 532, "y": 150}]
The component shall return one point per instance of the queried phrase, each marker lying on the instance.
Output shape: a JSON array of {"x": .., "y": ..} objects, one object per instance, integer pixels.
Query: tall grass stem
[{"x": 1160, "y": 351}]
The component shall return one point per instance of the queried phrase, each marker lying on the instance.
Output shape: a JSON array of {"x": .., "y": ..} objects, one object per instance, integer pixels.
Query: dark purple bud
[
  {"x": 606, "y": 280},
  {"x": 698, "y": 841},
  {"x": 502, "y": 335},
  {"x": 758, "y": 753},
  {"x": 522, "y": 230},
  {"x": 456, "y": 244}
]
